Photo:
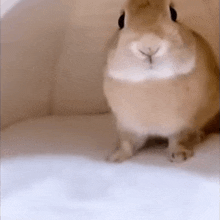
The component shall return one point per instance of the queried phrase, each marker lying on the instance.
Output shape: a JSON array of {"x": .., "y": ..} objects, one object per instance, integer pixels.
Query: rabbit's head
[{"x": 152, "y": 44}]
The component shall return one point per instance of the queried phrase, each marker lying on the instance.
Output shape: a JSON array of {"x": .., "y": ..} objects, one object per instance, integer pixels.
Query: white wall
[
  {"x": 78, "y": 87},
  {"x": 31, "y": 38}
]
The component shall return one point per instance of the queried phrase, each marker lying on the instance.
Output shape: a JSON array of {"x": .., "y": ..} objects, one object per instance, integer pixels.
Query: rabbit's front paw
[
  {"x": 180, "y": 154},
  {"x": 123, "y": 152}
]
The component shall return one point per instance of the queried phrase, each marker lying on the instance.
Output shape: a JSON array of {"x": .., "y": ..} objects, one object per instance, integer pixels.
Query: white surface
[
  {"x": 6, "y": 5},
  {"x": 53, "y": 168}
]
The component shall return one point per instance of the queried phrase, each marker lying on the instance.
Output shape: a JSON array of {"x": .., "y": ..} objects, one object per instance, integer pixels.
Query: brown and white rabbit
[{"x": 161, "y": 80}]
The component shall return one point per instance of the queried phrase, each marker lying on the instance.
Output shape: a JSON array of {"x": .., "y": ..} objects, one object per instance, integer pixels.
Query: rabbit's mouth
[{"x": 150, "y": 61}]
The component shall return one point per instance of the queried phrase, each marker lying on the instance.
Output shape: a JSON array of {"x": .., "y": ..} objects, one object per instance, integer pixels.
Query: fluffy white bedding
[{"x": 54, "y": 168}]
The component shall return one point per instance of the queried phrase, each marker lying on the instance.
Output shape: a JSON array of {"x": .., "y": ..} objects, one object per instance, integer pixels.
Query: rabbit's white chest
[{"x": 135, "y": 73}]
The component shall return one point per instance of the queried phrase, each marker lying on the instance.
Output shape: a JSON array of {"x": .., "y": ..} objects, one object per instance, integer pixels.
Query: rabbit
[{"x": 161, "y": 79}]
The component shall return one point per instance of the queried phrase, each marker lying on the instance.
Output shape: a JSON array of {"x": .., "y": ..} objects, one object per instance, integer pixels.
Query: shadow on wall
[{"x": 203, "y": 17}]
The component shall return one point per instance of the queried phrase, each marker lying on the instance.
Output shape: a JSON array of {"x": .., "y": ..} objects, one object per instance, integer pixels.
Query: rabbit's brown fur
[{"x": 172, "y": 106}]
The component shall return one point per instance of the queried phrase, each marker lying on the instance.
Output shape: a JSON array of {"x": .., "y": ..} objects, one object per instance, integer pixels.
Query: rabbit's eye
[
  {"x": 173, "y": 13},
  {"x": 121, "y": 21}
]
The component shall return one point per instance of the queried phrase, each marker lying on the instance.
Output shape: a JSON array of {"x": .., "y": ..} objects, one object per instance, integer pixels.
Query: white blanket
[{"x": 54, "y": 168}]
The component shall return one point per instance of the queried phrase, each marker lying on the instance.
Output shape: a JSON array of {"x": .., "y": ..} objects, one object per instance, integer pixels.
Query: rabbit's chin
[{"x": 141, "y": 71}]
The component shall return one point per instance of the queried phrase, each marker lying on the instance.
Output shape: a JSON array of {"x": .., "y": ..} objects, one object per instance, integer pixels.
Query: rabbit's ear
[{"x": 121, "y": 20}]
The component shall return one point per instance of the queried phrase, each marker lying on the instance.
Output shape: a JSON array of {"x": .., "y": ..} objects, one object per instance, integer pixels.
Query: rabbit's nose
[
  {"x": 149, "y": 51},
  {"x": 144, "y": 52}
]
